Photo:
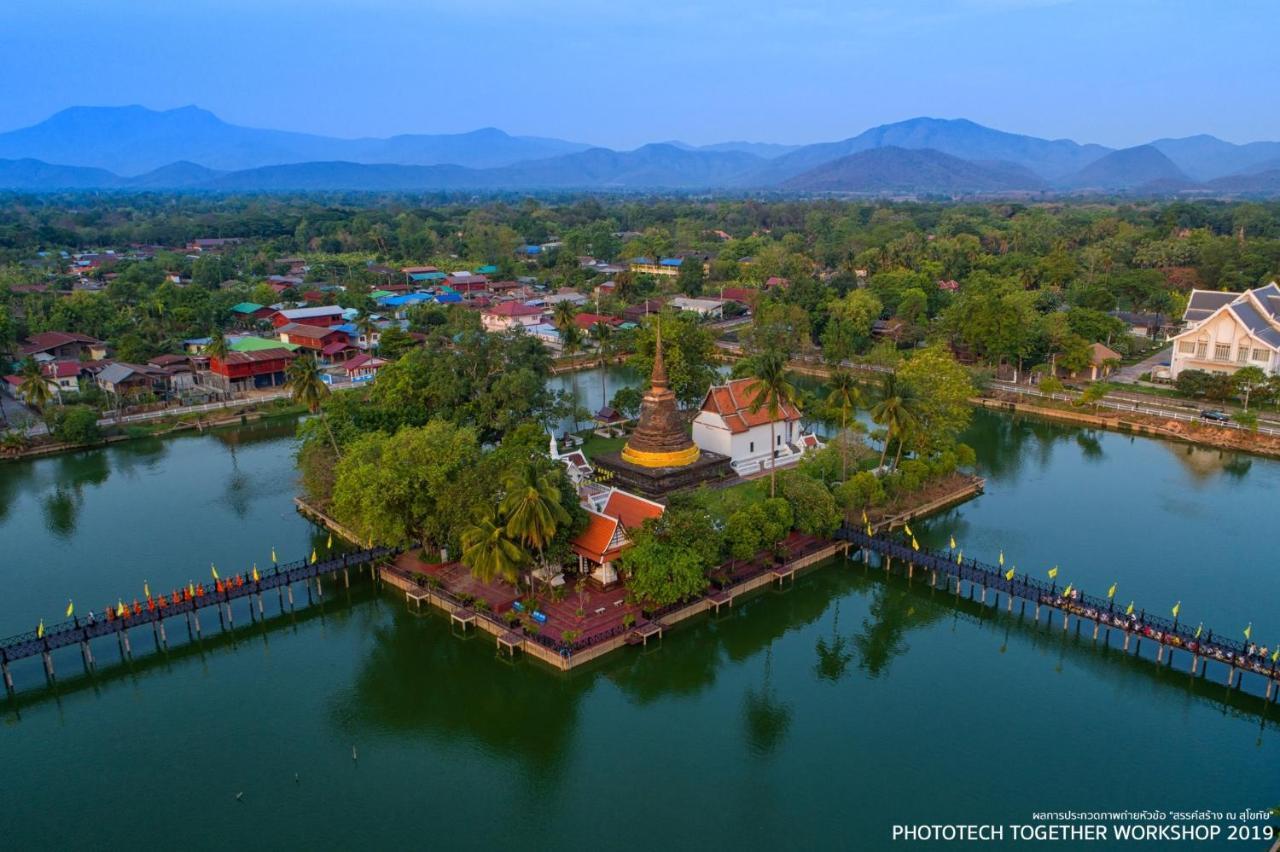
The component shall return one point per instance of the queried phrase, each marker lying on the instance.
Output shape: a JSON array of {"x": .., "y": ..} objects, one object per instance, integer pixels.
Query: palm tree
[
  {"x": 571, "y": 341},
  {"x": 604, "y": 332},
  {"x": 217, "y": 347},
  {"x": 306, "y": 387},
  {"x": 845, "y": 394},
  {"x": 562, "y": 316},
  {"x": 772, "y": 392},
  {"x": 34, "y": 387},
  {"x": 532, "y": 507},
  {"x": 489, "y": 551},
  {"x": 895, "y": 411}
]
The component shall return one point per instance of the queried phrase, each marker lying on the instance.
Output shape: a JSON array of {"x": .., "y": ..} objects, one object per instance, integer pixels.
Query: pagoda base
[{"x": 657, "y": 481}]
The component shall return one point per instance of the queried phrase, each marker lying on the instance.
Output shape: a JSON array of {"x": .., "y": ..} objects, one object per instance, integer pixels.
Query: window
[
  {"x": 1222, "y": 351},
  {"x": 1261, "y": 355},
  {"x": 751, "y": 448},
  {"x": 1242, "y": 353},
  {"x": 1187, "y": 347},
  {"x": 1202, "y": 348},
  {"x": 778, "y": 440}
]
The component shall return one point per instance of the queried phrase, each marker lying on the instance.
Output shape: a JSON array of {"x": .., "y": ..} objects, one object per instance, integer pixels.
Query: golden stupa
[{"x": 659, "y": 439}]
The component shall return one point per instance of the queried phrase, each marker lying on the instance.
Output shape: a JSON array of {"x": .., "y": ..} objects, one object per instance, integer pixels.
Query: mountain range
[{"x": 133, "y": 148}]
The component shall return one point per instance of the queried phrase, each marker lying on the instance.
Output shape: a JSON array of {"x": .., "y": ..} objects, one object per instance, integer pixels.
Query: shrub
[{"x": 77, "y": 424}]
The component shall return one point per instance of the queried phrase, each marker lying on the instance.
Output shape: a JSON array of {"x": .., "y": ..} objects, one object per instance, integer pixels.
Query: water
[{"x": 813, "y": 718}]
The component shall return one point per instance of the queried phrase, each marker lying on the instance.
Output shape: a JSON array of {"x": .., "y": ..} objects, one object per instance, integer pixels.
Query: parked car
[{"x": 1215, "y": 415}]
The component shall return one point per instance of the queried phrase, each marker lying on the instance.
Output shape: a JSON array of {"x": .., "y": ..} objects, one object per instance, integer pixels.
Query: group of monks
[{"x": 191, "y": 592}]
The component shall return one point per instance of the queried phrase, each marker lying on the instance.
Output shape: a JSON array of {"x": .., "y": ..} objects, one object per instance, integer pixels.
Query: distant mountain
[
  {"x": 957, "y": 137},
  {"x": 765, "y": 150},
  {"x": 661, "y": 166},
  {"x": 132, "y": 140},
  {"x": 30, "y": 175},
  {"x": 1253, "y": 183},
  {"x": 1128, "y": 168},
  {"x": 898, "y": 170},
  {"x": 1206, "y": 157},
  {"x": 179, "y": 175},
  {"x": 337, "y": 175}
]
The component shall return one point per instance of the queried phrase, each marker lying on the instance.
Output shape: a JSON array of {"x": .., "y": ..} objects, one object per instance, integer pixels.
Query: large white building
[
  {"x": 728, "y": 426},
  {"x": 1227, "y": 331}
]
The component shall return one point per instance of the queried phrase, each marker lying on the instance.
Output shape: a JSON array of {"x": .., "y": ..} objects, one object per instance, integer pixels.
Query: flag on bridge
[
  {"x": 146, "y": 589},
  {"x": 960, "y": 557},
  {"x": 1111, "y": 592},
  {"x": 1066, "y": 593},
  {"x": 1275, "y": 655},
  {"x": 1129, "y": 611},
  {"x": 255, "y": 572},
  {"x": 313, "y": 556},
  {"x": 907, "y": 529},
  {"x": 1008, "y": 575},
  {"x": 71, "y": 607},
  {"x": 330, "y": 544},
  {"x": 1001, "y": 558},
  {"x": 1199, "y": 630},
  {"x": 1053, "y": 572},
  {"x": 40, "y": 630},
  {"x": 273, "y": 556},
  {"x": 1177, "y": 608},
  {"x": 915, "y": 545},
  {"x": 213, "y": 570},
  {"x": 1248, "y": 631},
  {"x": 953, "y": 542}
]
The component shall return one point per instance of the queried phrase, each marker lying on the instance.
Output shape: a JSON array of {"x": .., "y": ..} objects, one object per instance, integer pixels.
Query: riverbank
[
  {"x": 1136, "y": 423},
  {"x": 252, "y": 413}
]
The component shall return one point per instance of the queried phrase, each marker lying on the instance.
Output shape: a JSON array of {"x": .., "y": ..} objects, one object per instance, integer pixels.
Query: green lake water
[{"x": 812, "y": 718}]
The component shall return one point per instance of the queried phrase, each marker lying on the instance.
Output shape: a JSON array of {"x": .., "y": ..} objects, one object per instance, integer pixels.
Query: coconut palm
[
  {"x": 217, "y": 347},
  {"x": 532, "y": 506},
  {"x": 34, "y": 387},
  {"x": 846, "y": 395},
  {"x": 571, "y": 341},
  {"x": 489, "y": 551},
  {"x": 772, "y": 392},
  {"x": 563, "y": 315},
  {"x": 894, "y": 410},
  {"x": 306, "y": 387},
  {"x": 604, "y": 333}
]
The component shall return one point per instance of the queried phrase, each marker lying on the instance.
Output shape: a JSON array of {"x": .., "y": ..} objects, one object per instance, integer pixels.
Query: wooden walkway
[
  {"x": 991, "y": 581},
  {"x": 188, "y": 603}
]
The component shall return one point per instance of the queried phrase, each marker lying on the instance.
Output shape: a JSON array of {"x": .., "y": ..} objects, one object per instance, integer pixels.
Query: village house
[
  {"x": 704, "y": 308},
  {"x": 508, "y": 315},
  {"x": 665, "y": 266},
  {"x": 638, "y": 313},
  {"x": 249, "y": 314},
  {"x": 123, "y": 380},
  {"x": 1227, "y": 331},
  {"x": 311, "y": 337},
  {"x": 1103, "y": 361},
  {"x": 321, "y": 315},
  {"x": 62, "y": 346},
  {"x": 215, "y": 244},
  {"x": 611, "y": 516},
  {"x": 245, "y": 371},
  {"x": 726, "y": 424}
]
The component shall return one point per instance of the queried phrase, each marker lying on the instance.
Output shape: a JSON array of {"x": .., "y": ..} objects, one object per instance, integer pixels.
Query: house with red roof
[
  {"x": 244, "y": 371},
  {"x": 320, "y": 315},
  {"x": 62, "y": 346},
  {"x": 611, "y": 516},
  {"x": 506, "y": 316},
  {"x": 311, "y": 337},
  {"x": 731, "y": 423}
]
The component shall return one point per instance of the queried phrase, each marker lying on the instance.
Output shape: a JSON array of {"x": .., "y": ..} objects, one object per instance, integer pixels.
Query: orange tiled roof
[
  {"x": 594, "y": 541},
  {"x": 631, "y": 510},
  {"x": 733, "y": 402}
]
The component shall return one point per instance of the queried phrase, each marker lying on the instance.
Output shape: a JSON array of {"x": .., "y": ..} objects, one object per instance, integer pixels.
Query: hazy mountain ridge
[{"x": 133, "y": 148}]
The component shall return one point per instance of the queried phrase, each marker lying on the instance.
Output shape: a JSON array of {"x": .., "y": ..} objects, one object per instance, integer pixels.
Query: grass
[
  {"x": 723, "y": 502},
  {"x": 594, "y": 446}
]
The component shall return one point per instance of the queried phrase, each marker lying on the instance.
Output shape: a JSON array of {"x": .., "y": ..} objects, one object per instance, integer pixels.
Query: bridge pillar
[
  {"x": 48, "y": 667},
  {"x": 1160, "y": 655},
  {"x": 290, "y": 587},
  {"x": 1095, "y": 631},
  {"x": 984, "y": 594},
  {"x": 125, "y": 650},
  {"x": 1127, "y": 637},
  {"x": 1271, "y": 685},
  {"x": 155, "y": 633},
  {"x": 1066, "y": 620},
  {"x": 195, "y": 618},
  {"x": 346, "y": 578},
  {"x": 1231, "y": 675},
  {"x": 1009, "y": 603},
  {"x": 319, "y": 588},
  {"x": 1037, "y": 612},
  {"x": 86, "y": 654},
  {"x": 230, "y": 617},
  {"x": 164, "y": 638},
  {"x": 1195, "y": 663},
  {"x": 261, "y": 612},
  {"x": 8, "y": 675},
  {"x": 911, "y": 570}
]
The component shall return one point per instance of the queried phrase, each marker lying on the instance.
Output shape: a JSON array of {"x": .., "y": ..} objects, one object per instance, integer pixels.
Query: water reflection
[
  {"x": 766, "y": 717},
  {"x": 61, "y": 508},
  {"x": 833, "y": 654}
]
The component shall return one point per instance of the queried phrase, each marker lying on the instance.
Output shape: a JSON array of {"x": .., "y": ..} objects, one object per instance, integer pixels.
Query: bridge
[
  {"x": 1169, "y": 634},
  {"x": 188, "y": 603}
]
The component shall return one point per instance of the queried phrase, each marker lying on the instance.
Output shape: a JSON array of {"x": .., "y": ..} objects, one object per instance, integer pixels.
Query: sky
[{"x": 624, "y": 72}]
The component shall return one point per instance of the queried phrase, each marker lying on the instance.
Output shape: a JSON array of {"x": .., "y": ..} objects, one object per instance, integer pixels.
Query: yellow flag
[
  {"x": 953, "y": 542},
  {"x": 1066, "y": 593},
  {"x": 213, "y": 570},
  {"x": 1177, "y": 608},
  {"x": 71, "y": 607},
  {"x": 255, "y": 572},
  {"x": 191, "y": 588},
  {"x": 959, "y": 557},
  {"x": 869, "y": 533},
  {"x": 907, "y": 529},
  {"x": 273, "y": 556},
  {"x": 146, "y": 589},
  {"x": 1275, "y": 655},
  {"x": 1129, "y": 611},
  {"x": 915, "y": 545},
  {"x": 40, "y": 630},
  {"x": 1111, "y": 592},
  {"x": 1248, "y": 631},
  {"x": 313, "y": 556},
  {"x": 865, "y": 519},
  {"x": 1053, "y": 572},
  {"x": 1001, "y": 558},
  {"x": 330, "y": 544},
  {"x": 1008, "y": 575},
  {"x": 1199, "y": 630},
  {"x": 120, "y": 610}
]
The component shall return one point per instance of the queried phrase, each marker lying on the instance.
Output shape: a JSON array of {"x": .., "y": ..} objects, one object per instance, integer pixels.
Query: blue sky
[{"x": 625, "y": 72}]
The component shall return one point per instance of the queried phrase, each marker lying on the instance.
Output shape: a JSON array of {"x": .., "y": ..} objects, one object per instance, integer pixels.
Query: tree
[
  {"x": 844, "y": 393},
  {"x": 562, "y": 317},
  {"x": 393, "y": 342},
  {"x": 77, "y": 424},
  {"x": 691, "y": 276},
  {"x": 217, "y": 346},
  {"x": 571, "y": 341},
  {"x": 772, "y": 392},
  {"x": 813, "y": 508},
  {"x": 689, "y": 351},
  {"x": 308, "y": 389},
  {"x": 34, "y": 387},
  {"x": 533, "y": 506},
  {"x": 939, "y": 394},
  {"x": 488, "y": 550},
  {"x": 1095, "y": 393},
  {"x": 1193, "y": 383},
  {"x": 894, "y": 410},
  {"x": 1247, "y": 379}
]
